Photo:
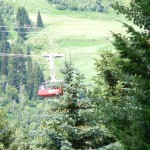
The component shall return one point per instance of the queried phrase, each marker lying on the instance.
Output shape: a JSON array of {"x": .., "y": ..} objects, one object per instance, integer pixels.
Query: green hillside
[
  {"x": 80, "y": 34},
  {"x": 109, "y": 109}
]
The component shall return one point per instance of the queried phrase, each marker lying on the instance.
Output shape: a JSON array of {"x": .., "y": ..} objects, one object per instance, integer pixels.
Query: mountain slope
[{"x": 80, "y": 34}]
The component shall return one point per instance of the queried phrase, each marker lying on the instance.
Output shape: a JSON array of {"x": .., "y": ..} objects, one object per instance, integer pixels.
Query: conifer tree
[
  {"x": 2, "y": 29},
  {"x": 30, "y": 82},
  {"x": 74, "y": 123},
  {"x": 30, "y": 76},
  {"x": 17, "y": 68},
  {"x": 38, "y": 78},
  {"x": 18, "y": 15},
  {"x": 136, "y": 49},
  {"x": 23, "y": 21},
  {"x": 128, "y": 100},
  {"x": 4, "y": 48},
  {"x": 39, "y": 20},
  {"x": 5, "y": 131}
]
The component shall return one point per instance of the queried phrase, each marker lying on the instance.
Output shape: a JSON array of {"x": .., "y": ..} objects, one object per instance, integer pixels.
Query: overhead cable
[
  {"x": 26, "y": 27},
  {"x": 25, "y": 55}
]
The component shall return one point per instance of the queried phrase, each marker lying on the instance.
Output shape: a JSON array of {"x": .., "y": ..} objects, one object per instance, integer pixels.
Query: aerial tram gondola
[
  {"x": 54, "y": 87},
  {"x": 45, "y": 90}
]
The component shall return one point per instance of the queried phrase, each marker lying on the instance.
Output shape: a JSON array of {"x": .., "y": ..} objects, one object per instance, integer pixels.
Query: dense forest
[
  {"x": 83, "y": 5},
  {"x": 102, "y": 6},
  {"x": 113, "y": 114},
  {"x": 78, "y": 5}
]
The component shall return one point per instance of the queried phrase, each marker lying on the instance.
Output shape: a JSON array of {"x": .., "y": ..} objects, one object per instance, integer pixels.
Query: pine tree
[
  {"x": 4, "y": 48},
  {"x": 136, "y": 49},
  {"x": 128, "y": 100},
  {"x": 17, "y": 68},
  {"x": 2, "y": 29},
  {"x": 23, "y": 21},
  {"x": 18, "y": 15},
  {"x": 30, "y": 82},
  {"x": 6, "y": 133},
  {"x": 39, "y": 20},
  {"x": 74, "y": 123},
  {"x": 30, "y": 76},
  {"x": 24, "y": 17},
  {"x": 38, "y": 78}
]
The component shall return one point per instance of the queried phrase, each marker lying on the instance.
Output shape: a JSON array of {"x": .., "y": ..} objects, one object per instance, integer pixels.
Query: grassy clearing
[
  {"x": 77, "y": 42},
  {"x": 81, "y": 34}
]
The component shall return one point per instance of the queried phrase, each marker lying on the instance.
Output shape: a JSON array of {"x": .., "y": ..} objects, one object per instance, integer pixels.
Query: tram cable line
[
  {"x": 34, "y": 27},
  {"x": 18, "y": 55},
  {"x": 22, "y": 27},
  {"x": 55, "y": 55}
]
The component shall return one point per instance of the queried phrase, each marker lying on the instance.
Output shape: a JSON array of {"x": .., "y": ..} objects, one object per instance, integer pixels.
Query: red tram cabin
[{"x": 50, "y": 89}]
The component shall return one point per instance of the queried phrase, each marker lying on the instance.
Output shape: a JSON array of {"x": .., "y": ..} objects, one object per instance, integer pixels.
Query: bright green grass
[
  {"x": 81, "y": 34},
  {"x": 77, "y": 42}
]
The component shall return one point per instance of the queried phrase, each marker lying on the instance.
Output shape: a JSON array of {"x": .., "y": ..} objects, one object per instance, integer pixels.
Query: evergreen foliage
[
  {"x": 70, "y": 122},
  {"x": 23, "y": 22},
  {"x": 21, "y": 72},
  {"x": 74, "y": 123},
  {"x": 6, "y": 11},
  {"x": 78, "y": 120},
  {"x": 5, "y": 131},
  {"x": 126, "y": 79},
  {"x": 38, "y": 78},
  {"x": 39, "y": 20},
  {"x": 83, "y": 5},
  {"x": 95, "y": 5},
  {"x": 17, "y": 71},
  {"x": 2, "y": 29},
  {"x": 4, "y": 48}
]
